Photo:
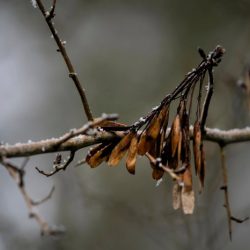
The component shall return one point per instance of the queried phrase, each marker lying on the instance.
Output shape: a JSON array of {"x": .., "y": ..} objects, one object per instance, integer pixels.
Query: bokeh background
[{"x": 129, "y": 55}]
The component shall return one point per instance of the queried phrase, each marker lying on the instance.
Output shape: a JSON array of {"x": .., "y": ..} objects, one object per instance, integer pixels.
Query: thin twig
[
  {"x": 46, "y": 198},
  {"x": 239, "y": 220},
  {"x": 207, "y": 100},
  {"x": 61, "y": 45},
  {"x": 59, "y": 167},
  {"x": 158, "y": 163},
  {"x": 225, "y": 189},
  {"x": 17, "y": 174}
]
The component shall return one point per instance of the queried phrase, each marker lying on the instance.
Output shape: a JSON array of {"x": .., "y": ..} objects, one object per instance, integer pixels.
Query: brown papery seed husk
[
  {"x": 203, "y": 167},
  {"x": 179, "y": 149},
  {"x": 120, "y": 149},
  {"x": 131, "y": 158},
  {"x": 176, "y": 193},
  {"x": 175, "y": 134},
  {"x": 144, "y": 144},
  {"x": 197, "y": 146},
  {"x": 187, "y": 179},
  {"x": 107, "y": 123},
  {"x": 94, "y": 150},
  {"x": 185, "y": 152},
  {"x": 157, "y": 173},
  {"x": 164, "y": 127},
  {"x": 154, "y": 127},
  {"x": 99, "y": 154},
  {"x": 187, "y": 193},
  {"x": 187, "y": 201}
]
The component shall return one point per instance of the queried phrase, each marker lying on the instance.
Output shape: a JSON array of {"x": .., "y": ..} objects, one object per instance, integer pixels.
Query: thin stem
[
  {"x": 225, "y": 189},
  {"x": 207, "y": 100},
  {"x": 17, "y": 174},
  {"x": 72, "y": 73}
]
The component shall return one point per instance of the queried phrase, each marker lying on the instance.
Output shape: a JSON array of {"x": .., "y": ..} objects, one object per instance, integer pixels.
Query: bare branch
[
  {"x": 81, "y": 141},
  {"x": 168, "y": 170},
  {"x": 61, "y": 45},
  {"x": 37, "y": 203},
  {"x": 17, "y": 175},
  {"x": 225, "y": 189},
  {"x": 59, "y": 167}
]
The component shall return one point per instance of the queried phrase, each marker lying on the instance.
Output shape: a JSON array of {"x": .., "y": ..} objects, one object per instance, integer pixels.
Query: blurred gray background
[{"x": 129, "y": 55}]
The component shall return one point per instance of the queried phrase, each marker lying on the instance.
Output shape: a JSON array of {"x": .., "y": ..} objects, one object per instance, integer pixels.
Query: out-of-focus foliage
[{"x": 129, "y": 55}]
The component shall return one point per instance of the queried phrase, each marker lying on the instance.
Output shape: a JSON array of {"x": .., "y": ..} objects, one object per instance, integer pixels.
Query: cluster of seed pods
[{"x": 168, "y": 149}]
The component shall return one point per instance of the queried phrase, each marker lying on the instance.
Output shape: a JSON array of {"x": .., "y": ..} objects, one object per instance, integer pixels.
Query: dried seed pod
[
  {"x": 99, "y": 154},
  {"x": 131, "y": 158},
  {"x": 187, "y": 201},
  {"x": 176, "y": 195},
  {"x": 151, "y": 133},
  {"x": 185, "y": 151},
  {"x": 164, "y": 128},
  {"x": 144, "y": 144},
  {"x": 203, "y": 168},
  {"x": 154, "y": 126},
  {"x": 173, "y": 162},
  {"x": 166, "y": 151},
  {"x": 157, "y": 173},
  {"x": 175, "y": 134},
  {"x": 197, "y": 146},
  {"x": 107, "y": 123},
  {"x": 187, "y": 179},
  {"x": 187, "y": 193},
  {"x": 157, "y": 122},
  {"x": 179, "y": 149},
  {"x": 120, "y": 149}
]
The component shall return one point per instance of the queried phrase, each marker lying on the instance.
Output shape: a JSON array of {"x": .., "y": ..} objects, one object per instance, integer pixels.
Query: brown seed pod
[
  {"x": 144, "y": 144},
  {"x": 179, "y": 149},
  {"x": 120, "y": 149},
  {"x": 164, "y": 128},
  {"x": 152, "y": 132},
  {"x": 187, "y": 193},
  {"x": 166, "y": 151},
  {"x": 99, "y": 154},
  {"x": 132, "y": 152},
  {"x": 197, "y": 146},
  {"x": 187, "y": 179},
  {"x": 157, "y": 122},
  {"x": 185, "y": 151},
  {"x": 175, "y": 134},
  {"x": 203, "y": 168},
  {"x": 157, "y": 173},
  {"x": 187, "y": 201},
  {"x": 176, "y": 193},
  {"x": 107, "y": 123}
]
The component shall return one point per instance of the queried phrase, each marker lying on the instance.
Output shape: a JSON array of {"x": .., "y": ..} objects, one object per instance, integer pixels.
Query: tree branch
[
  {"x": 83, "y": 140},
  {"x": 17, "y": 174},
  {"x": 49, "y": 15}
]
